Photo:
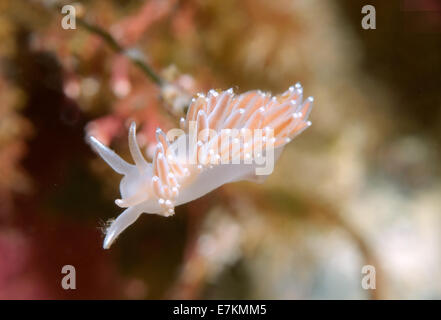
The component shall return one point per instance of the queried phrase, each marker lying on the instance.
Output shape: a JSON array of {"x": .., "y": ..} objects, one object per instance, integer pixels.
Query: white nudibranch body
[{"x": 224, "y": 138}]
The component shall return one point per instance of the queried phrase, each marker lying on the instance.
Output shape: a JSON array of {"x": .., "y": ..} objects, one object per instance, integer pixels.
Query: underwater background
[{"x": 362, "y": 186}]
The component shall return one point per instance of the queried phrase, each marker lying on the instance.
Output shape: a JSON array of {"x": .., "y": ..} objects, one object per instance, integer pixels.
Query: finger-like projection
[{"x": 224, "y": 138}]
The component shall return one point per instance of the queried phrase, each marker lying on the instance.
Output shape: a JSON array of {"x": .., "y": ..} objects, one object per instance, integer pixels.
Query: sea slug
[{"x": 224, "y": 138}]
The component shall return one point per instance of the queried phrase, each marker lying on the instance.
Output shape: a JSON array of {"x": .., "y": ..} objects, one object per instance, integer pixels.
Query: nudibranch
[{"x": 223, "y": 138}]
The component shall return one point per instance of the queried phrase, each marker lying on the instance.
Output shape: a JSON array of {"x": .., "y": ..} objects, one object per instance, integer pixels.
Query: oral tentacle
[
  {"x": 112, "y": 159},
  {"x": 125, "y": 219}
]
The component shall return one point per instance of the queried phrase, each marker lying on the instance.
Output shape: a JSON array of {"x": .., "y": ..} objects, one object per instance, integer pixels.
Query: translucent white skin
[
  {"x": 206, "y": 181},
  {"x": 138, "y": 190}
]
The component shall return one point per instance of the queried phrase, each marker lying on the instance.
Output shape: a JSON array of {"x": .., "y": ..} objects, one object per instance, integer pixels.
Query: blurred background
[{"x": 361, "y": 187}]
